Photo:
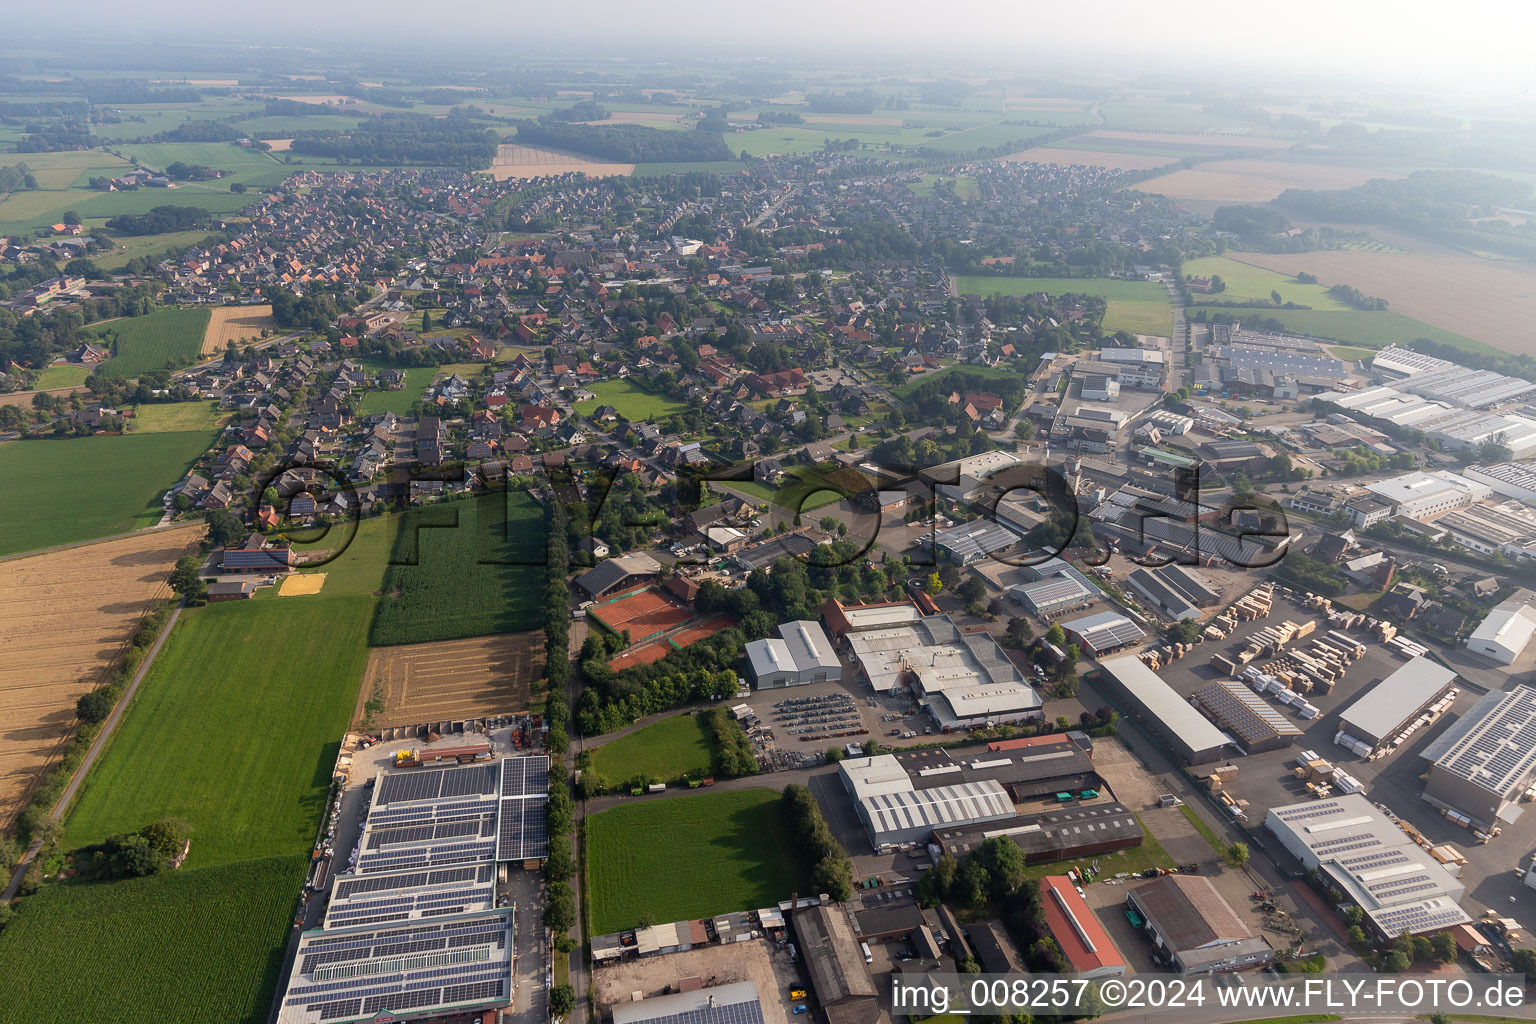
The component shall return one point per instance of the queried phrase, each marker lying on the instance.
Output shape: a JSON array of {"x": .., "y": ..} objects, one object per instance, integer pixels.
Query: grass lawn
[
  {"x": 1139, "y": 317},
  {"x": 670, "y": 748},
  {"x": 186, "y": 946},
  {"x": 1247, "y": 283},
  {"x": 235, "y": 730},
  {"x": 907, "y": 390},
  {"x": 81, "y": 488},
  {"x": 144, "y": 343},
  {"x": 1206, "y": 832},
  {"x": 799, "y": 491},
  {"x": 633, "y": 402},
  {"x": 359, "y": 569},
  {"x": 1351, "y": 352},
  {"x": 150, "y": 246},
  {"x": 683, "y": 857},
  {"x": 417, "y": 380},
  {"x": 62, "y": 375},
  {"x": 1150, "y": 854},
  {"x": 167, "y": 417},
  {"x": 464, "y": 568}
]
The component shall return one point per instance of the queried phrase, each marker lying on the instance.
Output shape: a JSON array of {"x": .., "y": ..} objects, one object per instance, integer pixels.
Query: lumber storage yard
[{"x": 65, "y": 619}]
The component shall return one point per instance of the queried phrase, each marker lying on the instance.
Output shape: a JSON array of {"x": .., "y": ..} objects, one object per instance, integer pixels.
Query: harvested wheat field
[
  {"x": 64, "y": 619},
  {"x": 449, "y": 679},
  {"x": 238, "y": 324},
  {"x": 1213, "y": 140},
  {"x": 301, "y": 584},
  {"x": 1494, "y": 303},
  {"x": 1256, "y": 181},
  {"x": 1089, "y": 158},
  {"x": 514, "y": 161},
  {"x": 279, "y": 145}
]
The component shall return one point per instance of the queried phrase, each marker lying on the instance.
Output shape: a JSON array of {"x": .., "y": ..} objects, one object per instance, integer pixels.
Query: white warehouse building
[
  {"x": 1504, "y": 633},
  {"x": 1419, "y": 495},
  {"x": 800, "y": 655}
]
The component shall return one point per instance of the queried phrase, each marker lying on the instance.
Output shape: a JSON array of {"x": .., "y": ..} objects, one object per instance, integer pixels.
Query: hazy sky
[{"x": 1471, "y": 42}]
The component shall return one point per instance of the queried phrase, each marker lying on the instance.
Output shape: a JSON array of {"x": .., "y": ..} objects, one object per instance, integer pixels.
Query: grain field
[
  {"x": 450, "y": 679},
  {"x": 64, "y": 620},
  {"x": 513, "y": 161},
  {"x": 239, "y": 324}
]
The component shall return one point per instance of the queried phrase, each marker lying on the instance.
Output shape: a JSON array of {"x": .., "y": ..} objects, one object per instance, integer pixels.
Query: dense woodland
[
  {"x": 626, "y": 143},
  {"x": 397, "y": 139}
]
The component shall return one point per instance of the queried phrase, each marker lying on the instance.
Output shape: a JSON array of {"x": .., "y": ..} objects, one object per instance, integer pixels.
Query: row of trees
[
  {"x": 831, "y": 868},
  {"x": 730, "y": 750},
  {"x": 557, "y": 628},
  {"x": 595, "y": 715},
  {"x": 149, "y": 851}
]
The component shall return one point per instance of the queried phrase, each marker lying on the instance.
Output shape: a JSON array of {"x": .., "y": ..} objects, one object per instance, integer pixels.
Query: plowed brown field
[{"x": 450, "y": 679}]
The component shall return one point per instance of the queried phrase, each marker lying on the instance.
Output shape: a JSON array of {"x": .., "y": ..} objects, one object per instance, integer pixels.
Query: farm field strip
[
  {"x": 71, "y": 489},
  {"x": 64, "y": 617},
  {"x": 518, "y": 161},
  {"x": 421, "y": 683},
  {"x": 1494, "y": 303},
  {"x": 1255, "y": 181},
  {"x": 185, "y": 946},
  {"x": 237, "y": 324},
  {"x": 234, "y": 730},
  {"x": 149, "y": 342},
  {"x": 1245, "y": 281}
]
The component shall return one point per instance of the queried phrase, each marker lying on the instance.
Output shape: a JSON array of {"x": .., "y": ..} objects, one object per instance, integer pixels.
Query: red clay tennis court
[
  {"x": 644, "y": 612},
  {"x": 654, "y": 651}
]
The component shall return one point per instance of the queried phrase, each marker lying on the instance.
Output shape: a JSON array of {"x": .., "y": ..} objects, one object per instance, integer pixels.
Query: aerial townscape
[{"x": 507, "y": 534}]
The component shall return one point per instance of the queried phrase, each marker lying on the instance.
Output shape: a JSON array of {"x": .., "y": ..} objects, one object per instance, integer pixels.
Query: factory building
[
  {"x": 1084, "y": 942},
  {"x": 1249, "y": 719},
  {"x": 970, "y": 542},
  {"x": 801, "y": 654},
  {"x": 1422, "y": 495},
  {"x": 1394, "y": 881},
  {"x": 1482, "y": 765},
  {"x": 1103, "y": 633},
  {"x": 1195, "y": 928},
  {"x": 1170, "y": 717},
  {"x": 1173, "y": 590},
  {"x": 1068, "y": 832},
  {"x": 1504, "y": 632},
  {"x": 1380, "y": 716},
  {"x": 895, "y": 811}
]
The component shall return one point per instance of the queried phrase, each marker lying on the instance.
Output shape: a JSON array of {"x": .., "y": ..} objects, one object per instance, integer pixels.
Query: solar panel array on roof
[
  {"x": 1493, "y": 745},
  {"x": 726, "y": 1004},
  {"x": 522, "y": 828},
  {"x": 457, "y": 964}
]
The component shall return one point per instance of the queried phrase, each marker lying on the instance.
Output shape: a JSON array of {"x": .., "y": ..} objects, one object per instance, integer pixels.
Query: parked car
[
  {"x": 800, "y": 1008},
  {"x": 797, "y": 993}
]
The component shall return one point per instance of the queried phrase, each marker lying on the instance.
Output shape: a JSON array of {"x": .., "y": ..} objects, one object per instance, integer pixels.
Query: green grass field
[
  {"x": 80, "y": 488},
  {"x": 1139, "y": 317},
  {"x": 151, "y": 247},
  {"x": 359, "y": 568},
  {"x": 234, "y": 730},
  {"x": 689, "y": 856},
  {"x": 1141, "y": 307},
  {"x": 62, "y": 375},
  {"x": 169, "y": 417},
  {"x": 798, "y": 491},
  {"x": 1246, "y": 283},
  {"x": 417, "y": 380},
  {"x": 670, "y": 748},
  {"x": 144, "y": 343},
  {"x": 632, "y": 402},
  {"x": 179, "y": 948},
  {"x": 464, "y": 568}
]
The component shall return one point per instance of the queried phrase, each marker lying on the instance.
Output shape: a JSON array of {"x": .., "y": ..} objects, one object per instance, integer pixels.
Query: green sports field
[
  {"x": 670, "y": 748},
  {"x": 633, "y": 403},
  {"x": 81, "y": 488},
  {"x": 689, "y": 856},
  {"x": 150, "y": 342},
  {"x": 62, "y": 375},
  {"x": 179, "y": 948},
  {"x": 234, "y": 730}
]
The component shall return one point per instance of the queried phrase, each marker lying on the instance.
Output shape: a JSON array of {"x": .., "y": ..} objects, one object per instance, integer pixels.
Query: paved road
[{"x": 97, "y": 746}]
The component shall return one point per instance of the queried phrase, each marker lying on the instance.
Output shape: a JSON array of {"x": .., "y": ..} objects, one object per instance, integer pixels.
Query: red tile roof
[{"x": 1082, "y": 939}]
